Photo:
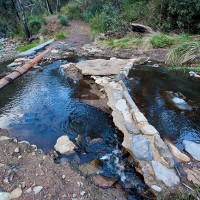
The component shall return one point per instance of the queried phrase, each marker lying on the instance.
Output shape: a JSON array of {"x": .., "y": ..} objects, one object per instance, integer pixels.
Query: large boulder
[
  {"x": 64, "y": 145},
  {"x": 141, "y": 28}
]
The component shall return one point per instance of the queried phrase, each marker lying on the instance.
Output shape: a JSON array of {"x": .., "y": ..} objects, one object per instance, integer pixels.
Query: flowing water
[
  {"x": 146, "y": 85},
  {"x": 40, "y": 107}
]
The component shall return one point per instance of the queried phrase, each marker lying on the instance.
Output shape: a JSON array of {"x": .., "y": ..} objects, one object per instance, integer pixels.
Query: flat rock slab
[
  {"x": 167, "y": 176},
  {"x": 192, "y": 148},
  {"x": 101, "y": 67}
]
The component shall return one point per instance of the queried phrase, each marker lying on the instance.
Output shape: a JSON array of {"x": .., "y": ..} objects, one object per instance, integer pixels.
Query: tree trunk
[
  {"x": 15, "y": 9},
  {"x": 21, "y": 7},
  {"x": 49, "y": 7}
]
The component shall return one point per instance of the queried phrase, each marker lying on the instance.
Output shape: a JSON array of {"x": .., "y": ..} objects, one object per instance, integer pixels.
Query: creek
[
  {"x": 41, "y": 106},
  {"x": 147, "y": 86}
]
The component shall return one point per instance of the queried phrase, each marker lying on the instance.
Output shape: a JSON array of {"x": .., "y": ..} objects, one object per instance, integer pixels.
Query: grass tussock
[
  {"x": 61, "y": 34},
  {"x": 28, "y": 46},
  {"x": 183, "y": 53}
]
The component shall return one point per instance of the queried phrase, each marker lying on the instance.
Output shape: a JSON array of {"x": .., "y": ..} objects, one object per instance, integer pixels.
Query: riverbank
[{"x": 27, "y": 173}]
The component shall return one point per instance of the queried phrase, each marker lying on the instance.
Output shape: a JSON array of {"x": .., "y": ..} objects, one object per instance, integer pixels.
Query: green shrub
[
  {"x": 35, "y": 25},
  {"x": 64, "y": 20},
  {"x": 44, "y": 30},
  {"x": 183, "y": 53},
  {"x": 93, "y": 9},
  {"x": 133, "y": 10},
  {"x": 162, "y": 40},
  {"x": 108, "y": 20},
  {"x": 61, "y": 35},
  {"x": 72, "y": 10}
]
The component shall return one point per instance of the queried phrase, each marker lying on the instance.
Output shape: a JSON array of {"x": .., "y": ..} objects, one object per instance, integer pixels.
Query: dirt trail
[{"x": 78, "y": 33}]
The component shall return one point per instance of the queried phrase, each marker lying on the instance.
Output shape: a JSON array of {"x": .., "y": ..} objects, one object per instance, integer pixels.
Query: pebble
[
  {"x": 37, "y": 189},
  {"x": 17, "y": 150},
  {"x": 63, "y": 176},
  {"x": 5, "y": 180},
  {"x": 82, "y": 193},
  {"x": 16, "y": 193},
  {"x": 29, "y": 190}
]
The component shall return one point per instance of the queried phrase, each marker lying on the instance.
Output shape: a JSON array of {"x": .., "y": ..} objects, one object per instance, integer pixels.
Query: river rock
[
  {"x": 64, "y": 145},
  {"x": 4, "y": 196},
  {"x": 16, "y": 193},
  {"x": 103, "y": 181},
  {"x": 192, "y": 171},
  {"x": 180, "y": 157},
  {"x": 139, "y": 117},
  {"x": 163, "y": 150},
  {"x": 37, "y": 189},
  {"x": 117, "y": 95},
  {"x": 192, "y": 148},
  {"x": 131, "y": 128},
  {"x": 148, "y": 129},
  {"x": 141, "y": 148},
  {"x": 167, "y": 176},
  {"x": 72, "y": 71},
  {"x": 121, "y": 105},
  {"x": 88, "y": 169},
  {"x": 177, "y": 100},
  {"x": 156, "y": 188}
]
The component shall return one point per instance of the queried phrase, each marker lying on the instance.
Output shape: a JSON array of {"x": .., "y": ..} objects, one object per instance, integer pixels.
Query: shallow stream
[
  {"x": 40, "y": 107},
  {"x": 146, "y": 85}
]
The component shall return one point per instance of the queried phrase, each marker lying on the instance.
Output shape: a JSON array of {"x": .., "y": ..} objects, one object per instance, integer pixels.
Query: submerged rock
[
  {"x": 177, "y": 100},
  {"x": 64, "y": 145},
  {"x": 192, "y": 148},
  {"x": 103, "y": 181},
  {"x": 72, "y": 71},
  {"x": 167, "y": 176},
  {"x": 180, "y": 157},
  {"x": 141, "y": 148},
  {"x": 163, "y": 150}
]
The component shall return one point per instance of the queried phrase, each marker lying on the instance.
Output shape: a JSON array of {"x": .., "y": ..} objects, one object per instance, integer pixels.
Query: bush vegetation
[
  {"x": 35, "y": 25},
  {"x": 64, "y": 20},
  {"x": 61, "y": 34},
  {"x": 72, "y": 11}
]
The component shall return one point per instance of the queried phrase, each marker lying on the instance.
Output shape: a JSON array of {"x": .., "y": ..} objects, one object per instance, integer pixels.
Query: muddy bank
[{"x": 27, "y": 173}]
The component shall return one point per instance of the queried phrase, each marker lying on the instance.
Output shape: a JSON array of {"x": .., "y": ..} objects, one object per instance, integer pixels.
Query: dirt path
[{"x": 78, "y": 33}]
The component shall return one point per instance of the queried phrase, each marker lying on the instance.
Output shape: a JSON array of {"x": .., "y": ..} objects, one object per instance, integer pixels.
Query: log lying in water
[{"x": 21, "y": 70}]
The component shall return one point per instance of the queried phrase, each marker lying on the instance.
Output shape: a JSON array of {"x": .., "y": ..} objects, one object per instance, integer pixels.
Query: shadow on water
[
  {"x": 146, "y": 85},
  {"x": 40, "y": 107}
]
